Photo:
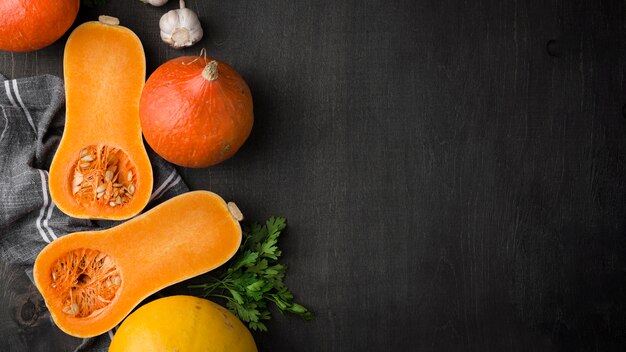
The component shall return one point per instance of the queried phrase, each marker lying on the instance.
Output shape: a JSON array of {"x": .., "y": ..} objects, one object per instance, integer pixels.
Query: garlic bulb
[
  {"x": 180, "y": 28},
  {"x": 155, "y": 2}
]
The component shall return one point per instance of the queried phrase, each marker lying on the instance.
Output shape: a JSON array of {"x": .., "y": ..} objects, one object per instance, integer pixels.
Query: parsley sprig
[{"x": 254, "y": 278}]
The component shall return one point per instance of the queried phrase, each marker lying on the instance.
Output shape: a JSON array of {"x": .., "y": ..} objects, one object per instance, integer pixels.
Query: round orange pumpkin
[
  {"x": 27, "y": 25},
  {"x": 196, "y": 111},
  {"x": 182, "y": 323}
]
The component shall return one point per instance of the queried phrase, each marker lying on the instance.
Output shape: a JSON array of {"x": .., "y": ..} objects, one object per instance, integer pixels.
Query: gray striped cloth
[{"x": 31, "y": 124}]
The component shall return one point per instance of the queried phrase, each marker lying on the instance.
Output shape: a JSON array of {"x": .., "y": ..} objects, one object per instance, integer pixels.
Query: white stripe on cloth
[
  {"x": 110, "y": 334},
  {"x": 176, "y": 181},
  {"x": 8, "y": 90},
  {"x": 6, "y": 125},
  {"x": 26, "y": 112},
  {"x": 158, "y": 191},
  {"x": 48, "y": 205},
  {"x": 45, "y": 222},
  {"x": 42, "y": 211}
]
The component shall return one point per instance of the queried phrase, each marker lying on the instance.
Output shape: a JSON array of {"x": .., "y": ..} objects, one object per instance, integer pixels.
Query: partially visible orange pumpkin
[
  {"x": 27, "y": 25},
  {"x": 196, "y": 111}
]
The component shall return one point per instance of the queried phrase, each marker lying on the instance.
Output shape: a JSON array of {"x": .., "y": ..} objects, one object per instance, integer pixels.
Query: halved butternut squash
[
  {"x": 101, "y": 169},
  {"x": 91, "y": 280}
]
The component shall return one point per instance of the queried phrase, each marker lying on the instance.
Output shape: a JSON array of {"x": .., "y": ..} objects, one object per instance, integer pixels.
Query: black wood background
[{"x": 453, "y": 172}]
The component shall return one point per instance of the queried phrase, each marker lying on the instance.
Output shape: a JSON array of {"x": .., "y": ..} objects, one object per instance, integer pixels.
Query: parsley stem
[{"x": 222, "y": 296}]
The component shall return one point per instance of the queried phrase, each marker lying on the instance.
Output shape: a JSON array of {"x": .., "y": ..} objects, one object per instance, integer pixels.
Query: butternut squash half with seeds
[
  {"x": 91, "y": 280},
  {"x": 101, "y": 169}
]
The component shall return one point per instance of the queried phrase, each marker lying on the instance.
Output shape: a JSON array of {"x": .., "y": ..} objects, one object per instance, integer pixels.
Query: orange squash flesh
[
  {"x": 183, "y": 237},
  {"x": 104, "y": 69}
]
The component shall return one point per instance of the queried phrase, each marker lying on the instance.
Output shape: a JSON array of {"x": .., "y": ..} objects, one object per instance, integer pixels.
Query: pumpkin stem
[
  {"x": 182, "y": 4},
  {"x": 210, "y": 71}
]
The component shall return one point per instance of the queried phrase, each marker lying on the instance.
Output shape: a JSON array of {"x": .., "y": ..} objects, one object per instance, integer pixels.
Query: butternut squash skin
[
  {"x": 104, "y": 68},
  {"x": 183, "y": 237}
]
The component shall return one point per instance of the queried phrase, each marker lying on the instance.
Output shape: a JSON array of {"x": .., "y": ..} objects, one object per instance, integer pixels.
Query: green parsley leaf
[
  {"x": 248, "y": 259},
  {"x": 254, "y": 278},
  {"x": 258, "y": 268}
]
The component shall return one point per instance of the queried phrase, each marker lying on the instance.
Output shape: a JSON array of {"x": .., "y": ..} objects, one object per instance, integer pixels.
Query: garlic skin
[
  {"x": 155, "y": 2},
  {"x": 180, "y": 28}
]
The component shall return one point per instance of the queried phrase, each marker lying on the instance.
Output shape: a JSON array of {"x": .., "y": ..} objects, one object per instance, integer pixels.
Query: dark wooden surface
[{"x": 453, "y": 172}]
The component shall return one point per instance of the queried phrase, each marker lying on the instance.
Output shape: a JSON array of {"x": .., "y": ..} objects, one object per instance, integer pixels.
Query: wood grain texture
[
  {"x": 453, "y": 172},
  {"x": 25, "y": 323}
]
